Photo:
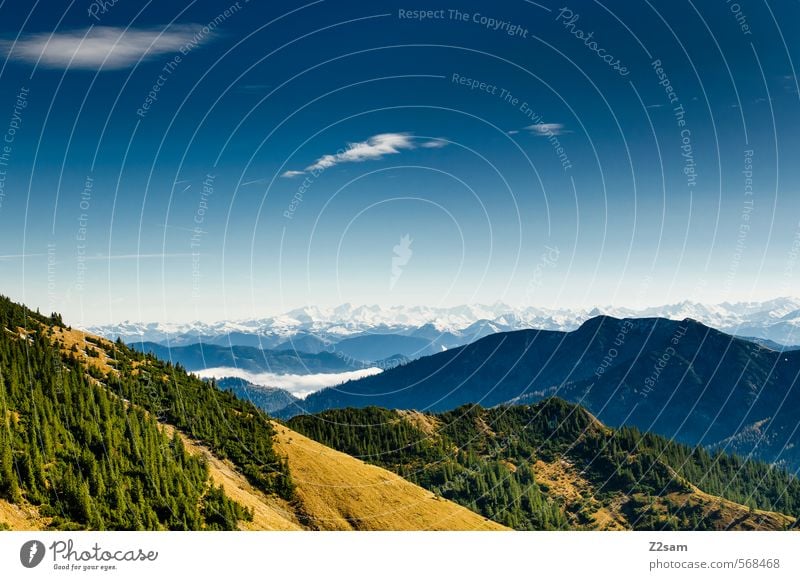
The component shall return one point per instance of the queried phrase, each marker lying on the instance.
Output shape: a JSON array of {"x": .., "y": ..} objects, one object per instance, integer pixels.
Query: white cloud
[
  {"x": 546, "y": 129},
  {"x": 373, "y": 148},
  {"x": 513, "y": 132},
  {"x": 299, "y": 385},
  {"x": 376, "y": 147},
  {"x": 101, "y": 47}
]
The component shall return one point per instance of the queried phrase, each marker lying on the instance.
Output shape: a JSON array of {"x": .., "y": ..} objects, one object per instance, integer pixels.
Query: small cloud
[
  {"x": 546, "y": 129},
  {"x": 513, "y": 132},
  {"x": 100, "y": 47},
  {"x": 374, "y": 148},
  {"x": 286, "y": 174},
  {"x": 654, "y": 106}
]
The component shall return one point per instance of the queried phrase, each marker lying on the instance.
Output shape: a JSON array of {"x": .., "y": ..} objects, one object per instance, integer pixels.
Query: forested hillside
[
  {"x": 554, "y": 466},
  {"x": 80, "y": 440}
]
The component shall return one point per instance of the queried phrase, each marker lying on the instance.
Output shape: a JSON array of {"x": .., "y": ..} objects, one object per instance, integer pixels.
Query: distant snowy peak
[{"x": 777, "y": 319}]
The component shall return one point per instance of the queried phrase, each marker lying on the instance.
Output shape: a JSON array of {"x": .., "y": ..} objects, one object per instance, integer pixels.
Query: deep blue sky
[{"x": 492, "y": 212}]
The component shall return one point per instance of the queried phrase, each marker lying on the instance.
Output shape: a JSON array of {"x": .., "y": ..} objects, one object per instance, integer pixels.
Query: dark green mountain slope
[
  {"x": 232, "y": 428},
  {"x": 552, "y": 465},
  {"x": 83, "y": 457},
  {"x": 80, "y": 439}
]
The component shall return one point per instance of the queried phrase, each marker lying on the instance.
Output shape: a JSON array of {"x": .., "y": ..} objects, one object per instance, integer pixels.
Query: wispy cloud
[
  {"x": 101, "y": 47},
  {"x": 8, "y": 257},
  {"x": 373, "y": 148},
  {"x": 252, "y": 181},
  {"x": 376, "y": 147},
  {"x": 546, "y": 129},
  {"x": 111, "y": 258}
]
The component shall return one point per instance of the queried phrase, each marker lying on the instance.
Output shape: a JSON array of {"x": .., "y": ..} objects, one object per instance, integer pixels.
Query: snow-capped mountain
[{"x": 318, "y": 328}]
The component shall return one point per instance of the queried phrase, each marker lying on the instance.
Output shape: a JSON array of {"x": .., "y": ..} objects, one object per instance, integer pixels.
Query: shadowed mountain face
[
  {"x": 200, "y": 356},
  {"x": 196, "y": 357},
  {"x": 269, "y": 399},
  {"x": 681, "y": 379}
]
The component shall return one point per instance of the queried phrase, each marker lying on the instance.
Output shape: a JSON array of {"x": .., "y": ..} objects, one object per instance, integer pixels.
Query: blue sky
[{"x": 227, "y": 160}]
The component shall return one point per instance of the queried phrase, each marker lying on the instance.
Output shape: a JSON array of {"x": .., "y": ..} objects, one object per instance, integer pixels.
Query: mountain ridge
[
  {"x": 553, "y": 465},
  {"x": 319, "y": 329},
  {"x": 683, "y": 380}
]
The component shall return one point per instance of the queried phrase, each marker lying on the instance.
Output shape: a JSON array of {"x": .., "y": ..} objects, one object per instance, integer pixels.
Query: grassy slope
[
  {"x": 334, "y": 491},
  {"x": 339, "y": 492}
]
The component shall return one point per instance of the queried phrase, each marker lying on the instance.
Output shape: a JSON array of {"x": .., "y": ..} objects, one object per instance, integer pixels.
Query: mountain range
[
  {"x": 680, "y": 379},
  {"x": 369, "y": 333}
]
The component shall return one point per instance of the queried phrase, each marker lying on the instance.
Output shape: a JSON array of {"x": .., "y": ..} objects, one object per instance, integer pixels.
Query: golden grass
[
  {"x": 565, "y": 484},
  {"x": 269, "y": 512},
  {"x": 338, "y": 492},
  {"x": 77, "y": 338},
  {"x": 739, "y": 516},
  {"x": 21, "y": 517},
  {"x": 428, "y": 424}
]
